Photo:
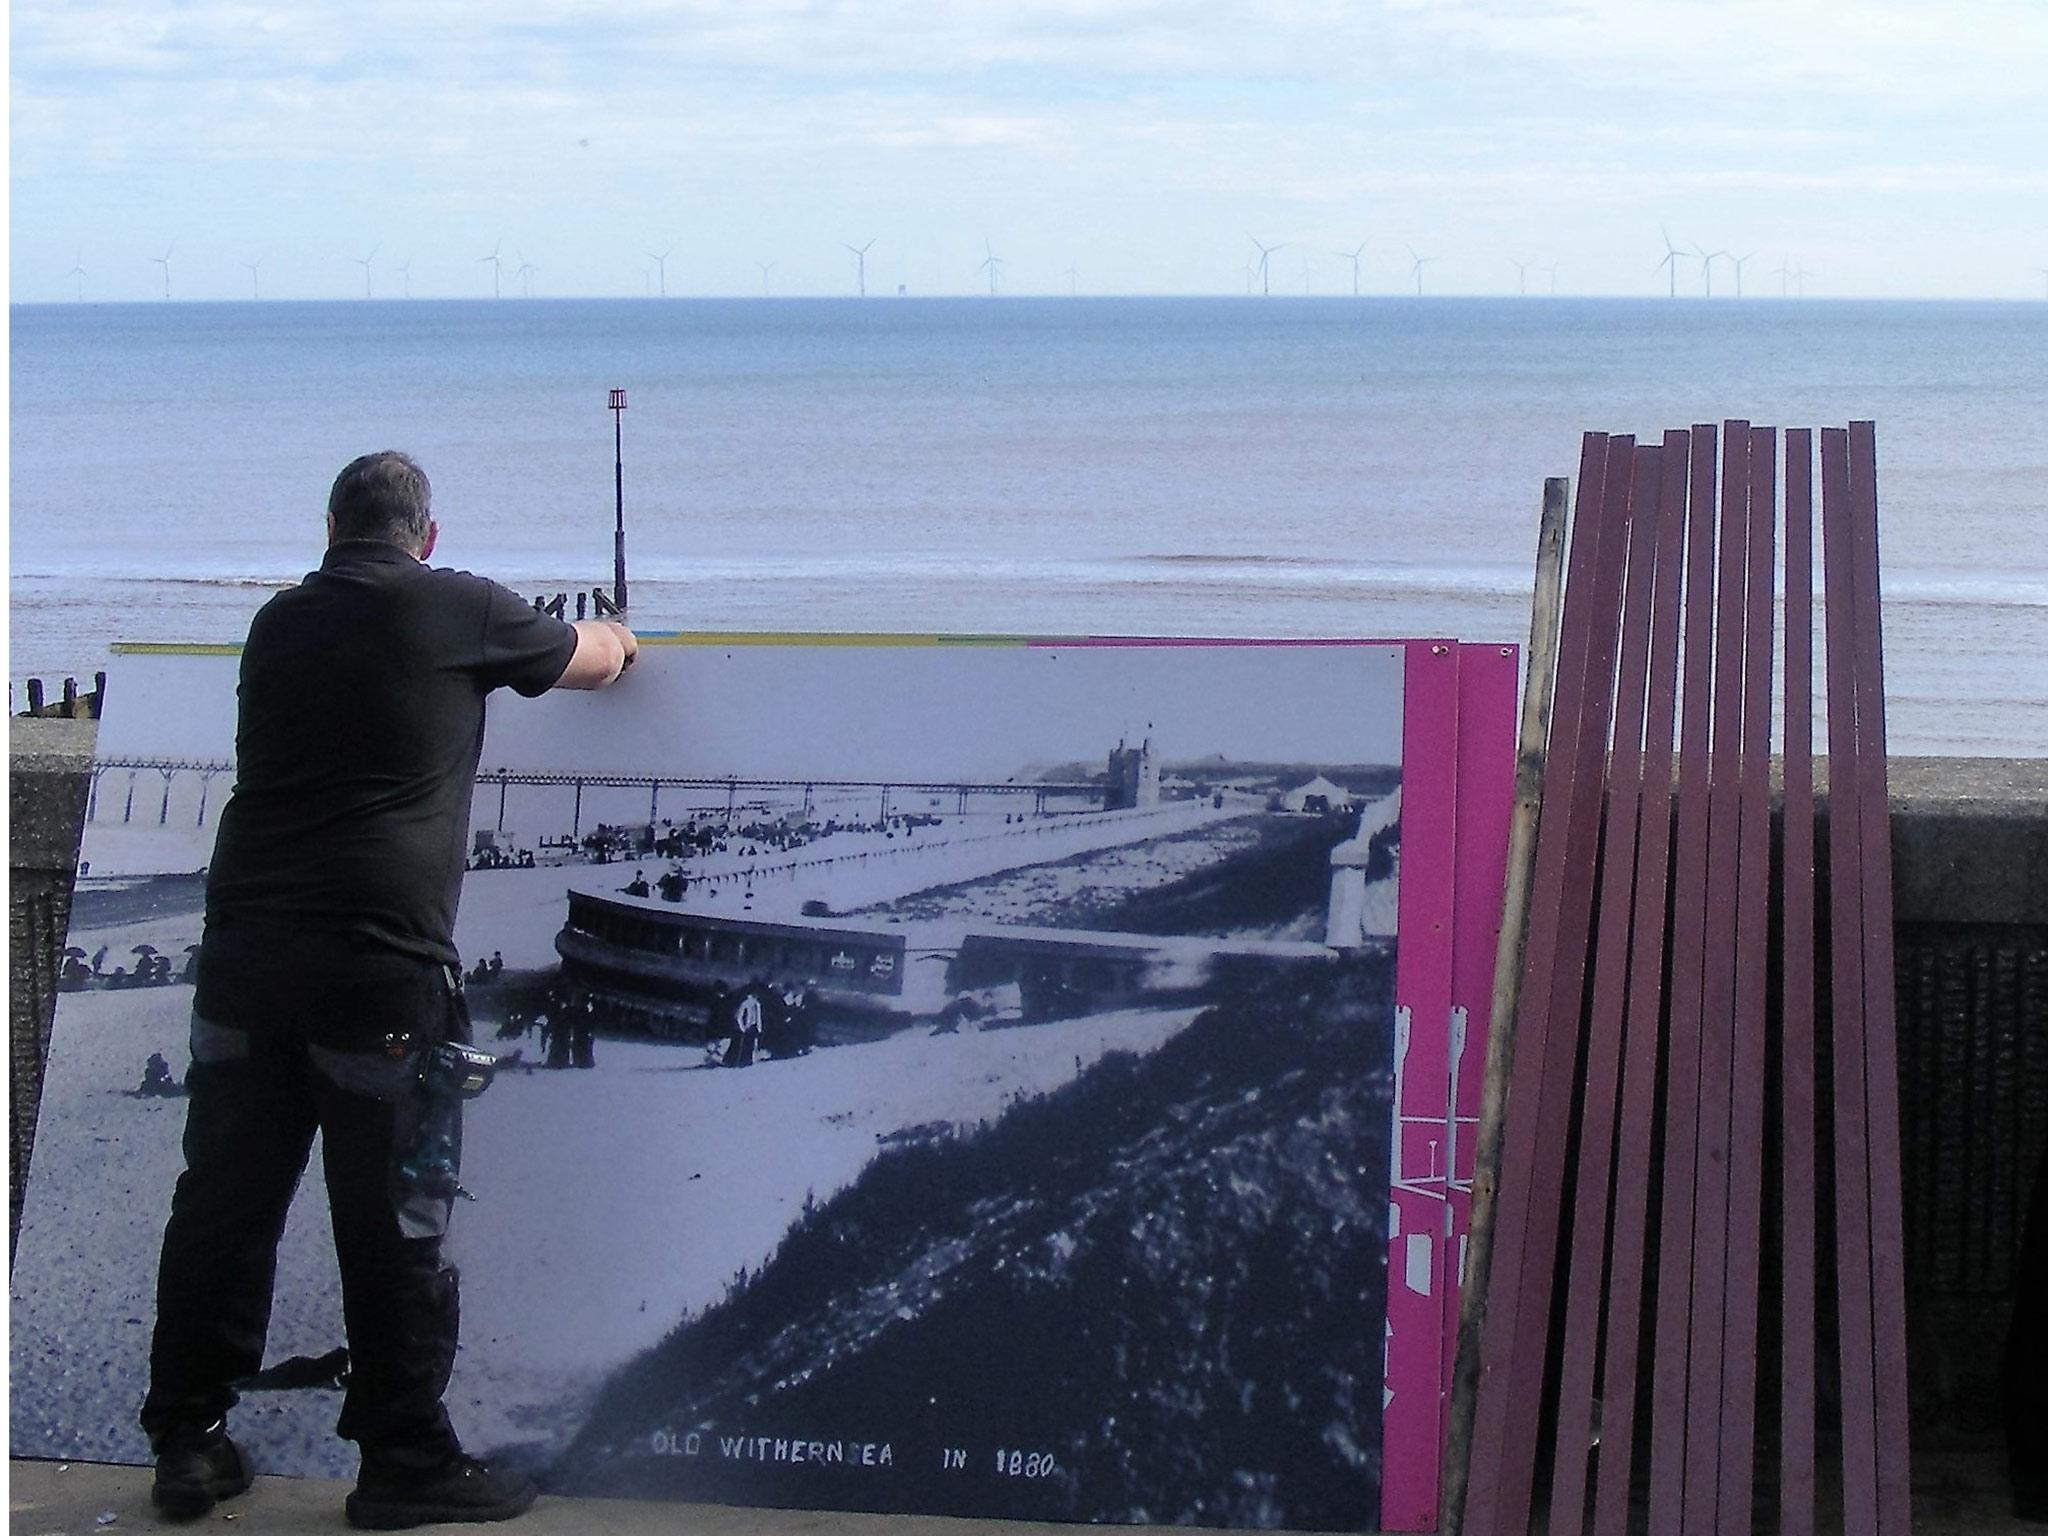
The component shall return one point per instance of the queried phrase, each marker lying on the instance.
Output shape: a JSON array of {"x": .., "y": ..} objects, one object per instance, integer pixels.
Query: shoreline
[{"x": 1967, "y": 675}]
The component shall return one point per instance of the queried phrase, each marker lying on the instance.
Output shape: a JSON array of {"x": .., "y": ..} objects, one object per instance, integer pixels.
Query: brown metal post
[
  {"x": 1752, "y": 952},
  {"x": 1644, "y": 1020},
  {"x": 1845, "y": 941},
  {"x": 1682, "y": 1031},
  {"x": 1797, "y": 1394},
  {"x": 1880, "y": 1022},
  {"x": 1574, "y": 1421},
  {"x": 1717, "y": 993},
  {"x": 1570, "y": 946}
]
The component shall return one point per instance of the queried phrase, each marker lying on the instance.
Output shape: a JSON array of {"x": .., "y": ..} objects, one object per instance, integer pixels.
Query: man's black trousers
[{"x": 257, "y": 1097}]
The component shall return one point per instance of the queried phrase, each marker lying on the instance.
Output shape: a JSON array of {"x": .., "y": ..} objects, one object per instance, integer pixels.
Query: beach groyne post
[
  {"x": 617, "y": 406},
  {"x": 71, "y": 703}
]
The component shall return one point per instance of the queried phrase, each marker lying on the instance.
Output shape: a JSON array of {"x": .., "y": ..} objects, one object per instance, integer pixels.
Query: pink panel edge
[
  {"x": 1488, "y": 683},
  {"x": 1418, "y": 1173}
]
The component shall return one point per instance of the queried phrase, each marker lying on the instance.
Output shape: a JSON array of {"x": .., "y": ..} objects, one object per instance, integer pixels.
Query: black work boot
[
  {"x": 196, "y": 1469},
  {"x": 392, "y": 1497}
]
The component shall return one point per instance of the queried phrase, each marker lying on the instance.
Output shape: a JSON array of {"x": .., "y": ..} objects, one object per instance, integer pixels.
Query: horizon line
[{"x": 982, "y": 297}]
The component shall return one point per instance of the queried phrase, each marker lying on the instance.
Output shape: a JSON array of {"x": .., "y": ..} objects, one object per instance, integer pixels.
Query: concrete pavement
[
  {"x": 1954, "y": 1494},
  {"x": 47, "y": 1498}
]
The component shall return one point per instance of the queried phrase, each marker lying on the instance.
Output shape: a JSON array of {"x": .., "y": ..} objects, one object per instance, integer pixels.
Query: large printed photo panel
[{"x": 937, "y": 1076}]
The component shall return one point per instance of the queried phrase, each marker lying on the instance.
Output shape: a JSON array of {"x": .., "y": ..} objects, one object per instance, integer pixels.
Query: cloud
[
  {"x": 1894, "y": 51},
  {"x": 1446, "y": 113}
]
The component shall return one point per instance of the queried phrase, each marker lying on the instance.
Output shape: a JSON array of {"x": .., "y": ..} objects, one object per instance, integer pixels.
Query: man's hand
[{"x": 604, "y": 649}]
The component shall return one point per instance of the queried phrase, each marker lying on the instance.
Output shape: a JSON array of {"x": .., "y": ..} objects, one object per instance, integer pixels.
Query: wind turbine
[
  {"x": 255, "y": 291},
  {"x": 1671, "y": 255},
  {"x": 1073, "y": 277},
  {"x": 78, "y": 271},
  {"x": 991, "y": 263},
  {"x": 1352, "y": 257},
  {"x": 860, "y": 256},
  {"x": 2042, "y": 270},
  {"x": 1552, "y": 270},
  {"x": 1740, "y": 262},
  {"x": 1784, "y": 276},
  {"x": 524, "y": 273},
  {"x": 364, "y": 263},
  {"x": 766, "y": 267},
  {"x": 1521, "y": 273},
  {"x": 1707, "y": 260},
  {"x": 404, "y": 270},
  {"x": 1420, "y": 263},
  {"x": 1265, "y": 258},
  {"x": 660, "y": 261},
  {"x": 496, "y": 265},
  {"x": 164, "y": 261}
]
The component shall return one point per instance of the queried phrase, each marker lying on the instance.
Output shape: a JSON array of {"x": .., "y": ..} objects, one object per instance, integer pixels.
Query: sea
[{"x": 1062, "y": 466}]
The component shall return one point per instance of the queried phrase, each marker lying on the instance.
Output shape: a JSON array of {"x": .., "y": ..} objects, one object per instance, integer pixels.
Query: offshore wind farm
[{"x": 1683, "y": 271}]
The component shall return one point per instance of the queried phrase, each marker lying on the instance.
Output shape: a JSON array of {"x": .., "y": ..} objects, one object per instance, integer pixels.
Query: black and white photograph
[{"x": 931, "y": 1076}]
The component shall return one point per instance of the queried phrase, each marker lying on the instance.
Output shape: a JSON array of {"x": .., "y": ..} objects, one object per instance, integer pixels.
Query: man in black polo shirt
[{"x": 327, "y": 975}]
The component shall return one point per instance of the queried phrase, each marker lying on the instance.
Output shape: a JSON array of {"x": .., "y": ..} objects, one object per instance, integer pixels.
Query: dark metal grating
[{"x": 1973, "y": 1044}]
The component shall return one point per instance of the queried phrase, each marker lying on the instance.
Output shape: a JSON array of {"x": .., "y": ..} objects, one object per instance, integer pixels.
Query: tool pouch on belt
[
  {"x": 428, "y": 1140},
  {"x": 424, "y": 1072}
]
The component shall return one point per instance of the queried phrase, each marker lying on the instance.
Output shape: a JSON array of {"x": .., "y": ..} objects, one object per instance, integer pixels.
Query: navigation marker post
[{"x": 618, "y": 410}]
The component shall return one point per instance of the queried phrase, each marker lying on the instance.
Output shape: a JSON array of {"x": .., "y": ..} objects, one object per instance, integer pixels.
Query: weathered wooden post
[{"x": 1538, "y": 684}]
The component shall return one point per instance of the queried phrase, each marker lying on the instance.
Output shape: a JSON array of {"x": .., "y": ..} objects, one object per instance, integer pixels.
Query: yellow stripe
[
  {"x": 146, "y": 648},
  {"x": 714, "y": 637}
]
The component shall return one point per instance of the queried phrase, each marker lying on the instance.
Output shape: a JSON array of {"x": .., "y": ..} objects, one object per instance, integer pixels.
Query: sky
[{"x": 1888, "y": 148}]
